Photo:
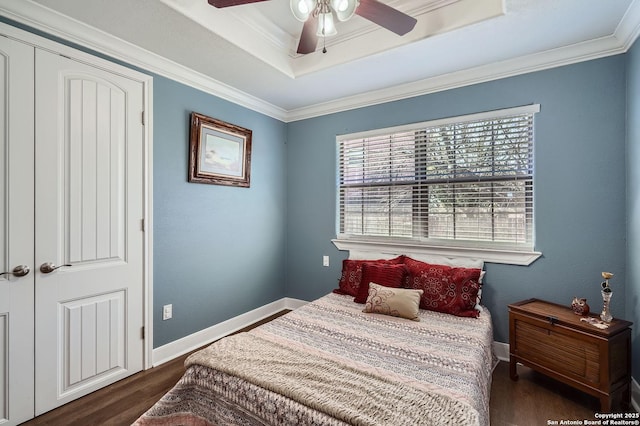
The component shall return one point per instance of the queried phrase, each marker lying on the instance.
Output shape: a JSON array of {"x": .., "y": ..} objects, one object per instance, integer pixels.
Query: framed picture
[{"x": 219, "y": 152}]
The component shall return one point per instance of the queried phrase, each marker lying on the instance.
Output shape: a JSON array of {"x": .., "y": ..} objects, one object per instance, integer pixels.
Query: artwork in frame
[{"x": 219, "y": 152}]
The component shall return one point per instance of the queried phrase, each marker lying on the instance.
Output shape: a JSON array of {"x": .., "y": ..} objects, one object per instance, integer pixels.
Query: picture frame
[{"x": 219, "y": 152}]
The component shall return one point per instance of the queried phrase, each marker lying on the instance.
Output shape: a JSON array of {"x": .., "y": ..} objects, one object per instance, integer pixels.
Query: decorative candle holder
[{"x": 606, "y": 298}]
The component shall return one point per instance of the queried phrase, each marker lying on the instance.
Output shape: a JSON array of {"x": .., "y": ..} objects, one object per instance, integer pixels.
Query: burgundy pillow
[
  {"x": 352, "y": 274},
  {"x": 384, "y": 274},
  {"x": 447, "y": 289}
]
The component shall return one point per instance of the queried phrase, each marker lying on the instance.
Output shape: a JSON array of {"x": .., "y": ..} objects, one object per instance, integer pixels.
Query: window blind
[{"x": 465, "y": 181}]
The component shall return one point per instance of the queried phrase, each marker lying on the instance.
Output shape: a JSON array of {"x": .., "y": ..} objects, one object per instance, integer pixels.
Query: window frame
[{"x": 468, "y": 249}]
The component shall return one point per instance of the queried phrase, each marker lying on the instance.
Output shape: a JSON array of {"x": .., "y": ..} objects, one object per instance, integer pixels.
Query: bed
[{"x": 331, "y": 363}]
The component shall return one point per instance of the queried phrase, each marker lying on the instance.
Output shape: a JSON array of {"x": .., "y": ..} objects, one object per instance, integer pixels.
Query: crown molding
[
  {"x": 585, "y": 51},
  {"x": 51, "y": 22},
  {"x": 71, "y": 30},
  {"x": 629, "y": 27},
  {"x": 623, "y": 38}
]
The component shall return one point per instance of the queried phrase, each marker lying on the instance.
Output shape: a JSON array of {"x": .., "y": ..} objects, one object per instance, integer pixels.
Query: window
[{"x": 462, "y": 182}]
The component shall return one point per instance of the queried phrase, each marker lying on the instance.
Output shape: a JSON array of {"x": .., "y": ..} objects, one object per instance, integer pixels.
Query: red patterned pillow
[
  {"x": 446, "y": 289},
  {"x": 352, "y": 274},
  {"x": 384, "y": 274}
]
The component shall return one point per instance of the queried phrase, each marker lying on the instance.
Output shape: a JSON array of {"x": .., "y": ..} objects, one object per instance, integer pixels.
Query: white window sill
[{"x": 510, "y": 257}]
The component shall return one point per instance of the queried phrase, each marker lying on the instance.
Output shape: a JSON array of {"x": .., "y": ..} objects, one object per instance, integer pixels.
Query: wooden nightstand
[{"x": 552, "y": 340}]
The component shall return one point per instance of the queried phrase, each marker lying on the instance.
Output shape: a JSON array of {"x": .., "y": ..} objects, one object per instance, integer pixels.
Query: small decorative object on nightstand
[
  {"x": 580, "y": 306},
  {"x": 606, "y": 297},
  {"x": 551, "y": 339}
]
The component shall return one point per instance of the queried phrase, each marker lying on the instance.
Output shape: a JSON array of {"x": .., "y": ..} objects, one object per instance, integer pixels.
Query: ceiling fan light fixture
[
  {"x": 345, "y": 9},
  {"x": 318, "y": 15},
  {"x": 326, "y": 26},
  {"x": 301, "y": 9}
]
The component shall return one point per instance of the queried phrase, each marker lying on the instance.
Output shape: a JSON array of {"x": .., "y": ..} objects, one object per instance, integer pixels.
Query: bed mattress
[{"x": 328, "y": 363}]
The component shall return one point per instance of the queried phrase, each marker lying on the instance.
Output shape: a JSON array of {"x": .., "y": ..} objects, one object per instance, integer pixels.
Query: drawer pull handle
[{"x": 552, "y": 320}]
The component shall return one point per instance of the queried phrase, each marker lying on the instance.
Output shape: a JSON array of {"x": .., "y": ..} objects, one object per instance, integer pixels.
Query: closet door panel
[
  {"x": 95, "y": 171},
  {"x": 16, "y": 231},
  {"x": 89, "y": 209}
]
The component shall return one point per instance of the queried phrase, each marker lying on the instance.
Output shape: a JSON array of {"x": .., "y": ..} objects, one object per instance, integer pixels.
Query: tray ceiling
[{"x": 247, "y": 53}]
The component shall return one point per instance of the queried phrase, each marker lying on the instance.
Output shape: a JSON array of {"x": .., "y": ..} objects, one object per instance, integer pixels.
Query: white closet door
[
  {"x": 89, "y": 210},
  {"x": 16, "y": 231}
]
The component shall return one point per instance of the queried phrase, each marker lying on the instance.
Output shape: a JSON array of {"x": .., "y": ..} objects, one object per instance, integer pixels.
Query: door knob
[
  {"x": 18, "y": 271},
  {"x": 48, "y": 267}
]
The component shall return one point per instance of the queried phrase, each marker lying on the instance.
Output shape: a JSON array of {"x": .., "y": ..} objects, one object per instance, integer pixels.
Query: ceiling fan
[{"x": 317, "y": 16}]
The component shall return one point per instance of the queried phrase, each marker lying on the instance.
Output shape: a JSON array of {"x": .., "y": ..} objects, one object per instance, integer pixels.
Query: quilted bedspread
[{"x": 328, "y": 363}]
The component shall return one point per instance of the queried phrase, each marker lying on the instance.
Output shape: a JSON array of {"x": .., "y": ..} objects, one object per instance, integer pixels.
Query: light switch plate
[{"x": 167, "y": 312}]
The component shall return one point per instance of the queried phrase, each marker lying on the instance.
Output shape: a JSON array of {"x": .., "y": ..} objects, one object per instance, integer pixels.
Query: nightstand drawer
[{"x": 559, "y": 350}]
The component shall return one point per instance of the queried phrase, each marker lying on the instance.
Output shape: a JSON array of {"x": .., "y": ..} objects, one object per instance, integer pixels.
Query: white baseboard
[
  {"x": 193, "y": 341},
  {"x": 501, "y": 350},
  {"x": 635, "y": 395}
]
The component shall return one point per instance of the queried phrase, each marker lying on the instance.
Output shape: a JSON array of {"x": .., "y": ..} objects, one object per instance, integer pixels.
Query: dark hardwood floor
[{"x": 534, "y": 400}]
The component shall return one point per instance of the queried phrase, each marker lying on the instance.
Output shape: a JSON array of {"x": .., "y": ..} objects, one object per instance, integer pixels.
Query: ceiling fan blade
[
  {"x": 308, "y": 38},
  {"x": 227, "y": 3},
  {"x": 386, "y": 16}
]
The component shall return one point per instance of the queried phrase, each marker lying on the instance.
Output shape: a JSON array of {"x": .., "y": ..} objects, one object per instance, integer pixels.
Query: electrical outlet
[
  {"x": 167, "y": 312},
  {"x": 325, "y": 260}
]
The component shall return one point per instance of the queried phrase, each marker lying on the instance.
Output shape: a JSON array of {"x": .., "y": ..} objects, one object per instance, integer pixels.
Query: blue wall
[
  {"x": 633, "y": 200},
  {"x": 218, "y": 250},
  {"x": 579, "y": 184}
]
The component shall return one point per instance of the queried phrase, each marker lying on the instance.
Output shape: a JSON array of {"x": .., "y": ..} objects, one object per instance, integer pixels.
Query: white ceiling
[{"x": 247, "y": 53}]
